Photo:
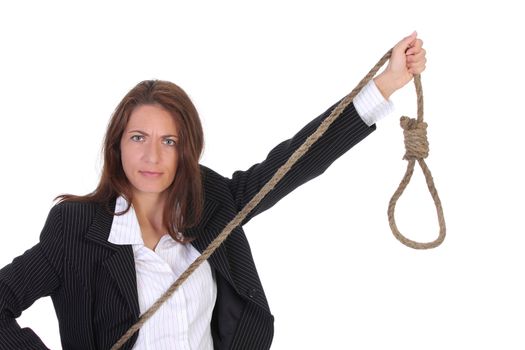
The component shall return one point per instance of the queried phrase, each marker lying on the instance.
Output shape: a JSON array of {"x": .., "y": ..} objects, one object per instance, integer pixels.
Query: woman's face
[{"x": 149, "y": 149}]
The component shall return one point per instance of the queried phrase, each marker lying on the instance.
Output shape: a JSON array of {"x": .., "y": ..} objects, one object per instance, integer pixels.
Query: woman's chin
[{"x": 150, "y": 190}]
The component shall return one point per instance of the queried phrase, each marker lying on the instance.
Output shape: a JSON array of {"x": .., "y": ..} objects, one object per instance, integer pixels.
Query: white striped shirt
[
  {"x": 371, "y": 105},
  {"x": 184, "y": 321}
]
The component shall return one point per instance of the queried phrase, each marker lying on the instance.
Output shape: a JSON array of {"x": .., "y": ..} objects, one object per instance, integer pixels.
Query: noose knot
[{"x": 416, "y": 142}]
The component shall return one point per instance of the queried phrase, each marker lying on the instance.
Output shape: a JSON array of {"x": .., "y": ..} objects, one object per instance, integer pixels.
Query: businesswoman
[{"x": 104, "y": 258}]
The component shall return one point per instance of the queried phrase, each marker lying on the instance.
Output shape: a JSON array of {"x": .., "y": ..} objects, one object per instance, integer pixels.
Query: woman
[{"x": 104, "y": 258}]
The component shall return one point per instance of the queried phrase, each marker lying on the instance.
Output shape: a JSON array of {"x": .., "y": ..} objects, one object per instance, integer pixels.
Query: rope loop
[{"x": 416, "y": 147}]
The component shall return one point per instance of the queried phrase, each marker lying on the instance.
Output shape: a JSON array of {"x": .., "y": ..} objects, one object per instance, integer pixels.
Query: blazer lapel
[
  {"x": 121, "y": 266},
  {"x": 120, "y": 263},
  {"x": 101, "y": 226}
]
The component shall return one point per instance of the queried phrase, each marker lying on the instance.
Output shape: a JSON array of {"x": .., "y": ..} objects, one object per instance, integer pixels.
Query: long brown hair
[{"x": 184, "y": 201}]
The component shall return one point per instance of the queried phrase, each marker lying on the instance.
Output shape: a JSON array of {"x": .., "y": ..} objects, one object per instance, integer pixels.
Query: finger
[
  {"x": 416, "y": 69},
  {"x": 415, "y": 49},
  {"x": 417, "y": 63},
  {"x": 416, "y": 57},
  {"x": 417, "y": 66},
  {"x": 417, "y": 43},
  {"x": 415, "y": 60}
]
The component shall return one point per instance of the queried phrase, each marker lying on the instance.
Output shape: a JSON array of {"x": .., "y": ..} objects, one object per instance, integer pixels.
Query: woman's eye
[
  {"x": 170, "y": 142},
  {"x": 137, "y": 137}
]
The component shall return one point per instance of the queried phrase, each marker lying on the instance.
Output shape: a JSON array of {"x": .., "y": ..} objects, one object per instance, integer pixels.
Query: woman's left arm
[
  {"x": 344, "y": 133},
  {"x": 408, "y": 58}
]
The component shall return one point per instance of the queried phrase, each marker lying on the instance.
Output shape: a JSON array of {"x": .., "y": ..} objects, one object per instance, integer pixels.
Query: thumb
[{"x": 406, "y": 42}]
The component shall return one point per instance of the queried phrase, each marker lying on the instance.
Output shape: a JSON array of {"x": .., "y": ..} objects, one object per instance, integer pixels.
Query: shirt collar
[{"x": 125, "y": 228}]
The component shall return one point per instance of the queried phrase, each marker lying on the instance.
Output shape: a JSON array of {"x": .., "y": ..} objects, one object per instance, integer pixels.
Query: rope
[
  {"x": 416, "y": 146},
  {"x": 236, "y": 221}
]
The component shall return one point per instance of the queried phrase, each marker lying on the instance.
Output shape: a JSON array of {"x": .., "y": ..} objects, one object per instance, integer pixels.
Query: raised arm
[
  {"x": 408, "y": 58},
  {"x": 343, "y": 134}
]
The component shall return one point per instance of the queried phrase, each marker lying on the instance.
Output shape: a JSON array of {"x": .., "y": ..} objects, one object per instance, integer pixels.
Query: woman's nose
[{"x": 152, "y": 152}]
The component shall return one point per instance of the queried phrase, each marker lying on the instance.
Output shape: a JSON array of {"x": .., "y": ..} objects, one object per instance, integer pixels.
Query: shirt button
[{"x": 253, "y": 292}]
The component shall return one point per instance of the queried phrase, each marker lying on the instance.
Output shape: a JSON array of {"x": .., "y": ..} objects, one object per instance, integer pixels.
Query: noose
[
  {"x": 236, "y": 221},
  {"x": 416, "y": 146}
]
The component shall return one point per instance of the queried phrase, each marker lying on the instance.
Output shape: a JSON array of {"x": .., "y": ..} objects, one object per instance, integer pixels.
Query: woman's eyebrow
[{"x": 145, "y": 133}]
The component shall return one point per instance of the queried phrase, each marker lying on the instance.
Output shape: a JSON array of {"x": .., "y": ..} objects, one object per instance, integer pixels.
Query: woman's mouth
[{"x": 150, "y": 173}]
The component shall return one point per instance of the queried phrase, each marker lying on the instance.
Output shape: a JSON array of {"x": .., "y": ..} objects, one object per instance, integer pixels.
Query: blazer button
[{"x": 253, "y": 292}]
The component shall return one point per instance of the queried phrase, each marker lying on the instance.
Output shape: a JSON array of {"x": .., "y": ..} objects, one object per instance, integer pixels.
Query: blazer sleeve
[
  {"x": 345, "y": 132},
  {"x": 34, "y": 274}
]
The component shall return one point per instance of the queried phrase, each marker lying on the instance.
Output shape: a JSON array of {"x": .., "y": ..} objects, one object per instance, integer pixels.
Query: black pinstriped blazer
[{"x": 93, "y": 284}]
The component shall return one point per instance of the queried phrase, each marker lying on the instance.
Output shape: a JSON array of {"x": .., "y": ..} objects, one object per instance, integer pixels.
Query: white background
[{"x": 334, "y": 275}]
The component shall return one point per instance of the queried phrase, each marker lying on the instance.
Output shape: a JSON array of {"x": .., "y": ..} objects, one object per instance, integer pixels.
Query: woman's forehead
[{"x": 152, "y": 117}]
